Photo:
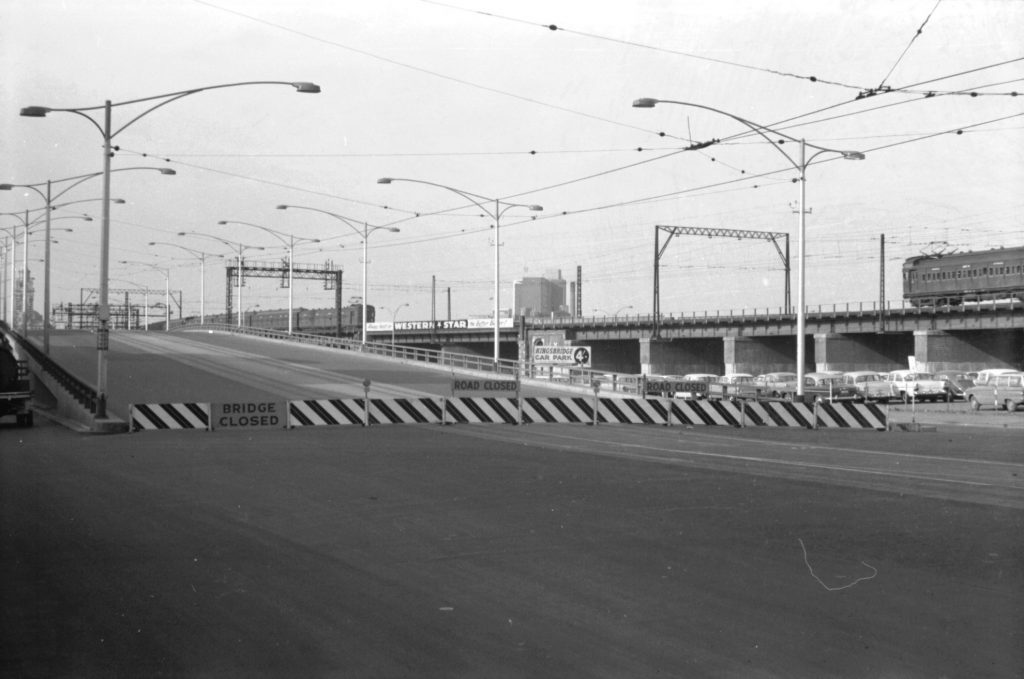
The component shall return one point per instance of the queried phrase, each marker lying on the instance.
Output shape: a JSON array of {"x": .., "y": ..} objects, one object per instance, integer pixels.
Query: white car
[{"x": 913, "y": 385}]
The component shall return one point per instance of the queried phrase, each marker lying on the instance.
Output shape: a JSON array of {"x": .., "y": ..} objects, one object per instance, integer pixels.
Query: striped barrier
[
  {"x": 149, "y": 416},
  {"x": 533, "y": 410}
]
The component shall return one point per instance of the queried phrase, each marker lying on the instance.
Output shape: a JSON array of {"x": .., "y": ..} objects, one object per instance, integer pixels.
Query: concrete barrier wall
[{"x": 530, "y": 410}]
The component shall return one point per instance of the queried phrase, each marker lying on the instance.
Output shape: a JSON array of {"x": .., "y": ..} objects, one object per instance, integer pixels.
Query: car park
[
  {"x": 915, "y": 385},
  {"x": 1003, "y": 390},
  {"x": 869, "y": 385}
]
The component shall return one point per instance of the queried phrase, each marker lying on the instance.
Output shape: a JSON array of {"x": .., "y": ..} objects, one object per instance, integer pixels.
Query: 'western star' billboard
[{"x": 554, "y": 355}]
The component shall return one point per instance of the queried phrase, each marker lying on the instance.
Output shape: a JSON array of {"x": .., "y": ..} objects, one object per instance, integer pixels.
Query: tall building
[{"x": 540, "y": 296}]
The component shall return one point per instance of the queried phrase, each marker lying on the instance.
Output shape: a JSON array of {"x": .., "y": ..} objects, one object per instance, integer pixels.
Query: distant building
[{"x": 544, "y": 297}]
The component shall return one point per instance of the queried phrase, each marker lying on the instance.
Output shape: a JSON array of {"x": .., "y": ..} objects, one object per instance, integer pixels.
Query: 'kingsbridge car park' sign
[{"x": 562, "y": 355}]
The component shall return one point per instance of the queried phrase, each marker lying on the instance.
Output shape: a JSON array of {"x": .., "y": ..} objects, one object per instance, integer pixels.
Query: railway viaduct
[{"x": 838, "y": 338}]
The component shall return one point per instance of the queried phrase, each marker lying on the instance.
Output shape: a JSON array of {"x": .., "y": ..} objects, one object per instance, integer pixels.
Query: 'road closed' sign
[
  {"x": 484, "y": 387},
  {"x": 247, "y": 415}
]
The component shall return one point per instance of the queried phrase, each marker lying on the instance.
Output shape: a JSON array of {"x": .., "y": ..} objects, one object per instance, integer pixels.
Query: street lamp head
[
  {"x": 118, "y": 201},
  {"x": 222, "y": 222},
  {"x": 304, "y": 87},
  {"x": 6, "y": 187},
  {"x": 853, "y": 155},
  {"x": 384, "y": 180},
  {"x": 393, "y": 229},
  {"x": 644, "y": 102},
  {"x": 167, "y": 170},
  {"x": 535, "y": 208},
  {"x": 283, "y": 207},
  {"x": 35, "y": 111}
]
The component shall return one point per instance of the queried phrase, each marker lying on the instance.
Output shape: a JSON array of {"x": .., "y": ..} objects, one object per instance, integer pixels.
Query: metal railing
[
  {"x": 900, "y": 307},
  {"x": 79, "y": 390},
  {"x": 569, "y": 376}
]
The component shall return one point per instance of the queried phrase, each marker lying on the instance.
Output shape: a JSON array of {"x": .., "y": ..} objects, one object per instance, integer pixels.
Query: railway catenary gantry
[
  {"x": 326, "y": 272},
  {"x": 659, "y": 250}
]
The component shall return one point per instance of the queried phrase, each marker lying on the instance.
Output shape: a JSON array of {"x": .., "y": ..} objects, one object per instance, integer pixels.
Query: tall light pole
[
  {"x": 289, "y": 242},
  {"x": 354, "y": 225},
  {"x": 145, "y": 303},
  {"x": 394, "y": 315},
  {"x": 102, "y": 335},
  {"x": 801, "y": 167},
  {"x": 201, "y": 256},
  {"x": 50, "y": 198},
  {"x": 27, "y": 228},
  {"x": 167, "y": 289},
  {"x": 241, "y": 247},
  {"x": 500, "y": 208}
]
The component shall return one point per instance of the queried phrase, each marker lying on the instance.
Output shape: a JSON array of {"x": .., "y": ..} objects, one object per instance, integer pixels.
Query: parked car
[
  {"x": 776, "y": 385},
  {"x": 733, "y": 386},
  {"x": 828, "y": 386},
  {"x": 915, "y": 385},
  {"x": 1004, "y": 390},
  {"x": 870, "y": 385},
  {"x": 983, "y": 377},
  {"x": 956, "y": 384}
]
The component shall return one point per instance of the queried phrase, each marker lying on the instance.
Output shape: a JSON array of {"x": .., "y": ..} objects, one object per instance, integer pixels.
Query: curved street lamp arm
[
  {"x": 232, "y": 244},
  {"x": 39, "y": 111},
  {"x": 647, "y": 102},
  {"x": 482, "y": 202},
  {"x": 364, "y": 232},
  {"x": 276, "y": 234},
  {"x": 80, "y": 179}
]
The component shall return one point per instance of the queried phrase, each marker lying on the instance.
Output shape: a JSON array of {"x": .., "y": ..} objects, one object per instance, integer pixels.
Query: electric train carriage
[
  {"x": 965, "y": 277},
  {"x": 314, "y": 321}
]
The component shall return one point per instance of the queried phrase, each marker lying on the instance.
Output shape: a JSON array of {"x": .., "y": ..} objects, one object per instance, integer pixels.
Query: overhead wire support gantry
[{"x": 672, "y": 231}]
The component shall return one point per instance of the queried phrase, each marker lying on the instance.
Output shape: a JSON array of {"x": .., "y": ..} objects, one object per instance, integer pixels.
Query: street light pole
[
  {"x": 394, "y": 317},
  {"x": 482, "y": 202},
  {"x": 290, "y": 244},
  {"x": 201, "y": 256},
  {"x": 103, "y": 316},
  {"x": 367, "y": 230},
  {"x": 231, "y": 244},
  {"x": 801, "y": 168},
  {"x": 167, "y": 290}
]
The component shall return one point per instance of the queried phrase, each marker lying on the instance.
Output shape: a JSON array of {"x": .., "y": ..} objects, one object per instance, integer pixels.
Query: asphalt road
[
  {"x": 503, "y": 551},
  {"x": 183, "y": 367},
  {"x": 497, "y": 551}
]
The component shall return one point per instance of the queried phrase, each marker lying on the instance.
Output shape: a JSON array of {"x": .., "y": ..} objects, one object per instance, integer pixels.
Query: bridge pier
[
  {"x": 881, "y": 352},
  {"x": 759, "y": 354},
  {"x": 680, "y": 356},
  {"x": 939, "y": 350}
]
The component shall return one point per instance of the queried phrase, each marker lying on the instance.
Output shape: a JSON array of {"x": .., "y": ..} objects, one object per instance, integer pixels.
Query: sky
[{"x": 528, "y": 103}]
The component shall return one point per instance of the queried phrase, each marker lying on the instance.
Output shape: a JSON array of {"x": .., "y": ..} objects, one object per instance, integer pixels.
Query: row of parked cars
[{"x": 1001, "y": 388}]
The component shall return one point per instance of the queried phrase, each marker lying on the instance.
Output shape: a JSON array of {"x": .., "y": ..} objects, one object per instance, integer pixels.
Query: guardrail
[
  {"x": 583, "y": 378},
  {"x": 851, "y": 309},
  {"x": 79, "y": 390}
]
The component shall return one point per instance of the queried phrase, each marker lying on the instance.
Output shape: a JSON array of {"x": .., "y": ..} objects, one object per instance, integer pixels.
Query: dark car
[{"x": 956, "y": 384}]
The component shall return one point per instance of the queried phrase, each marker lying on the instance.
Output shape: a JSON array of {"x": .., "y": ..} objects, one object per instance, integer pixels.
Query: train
[
  {"x": 960, "y": 278},
  {"x": 313, "y": 321}
]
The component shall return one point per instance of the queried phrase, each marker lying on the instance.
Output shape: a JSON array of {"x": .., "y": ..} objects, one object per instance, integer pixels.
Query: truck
[{"x": 15, "y": 386}]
